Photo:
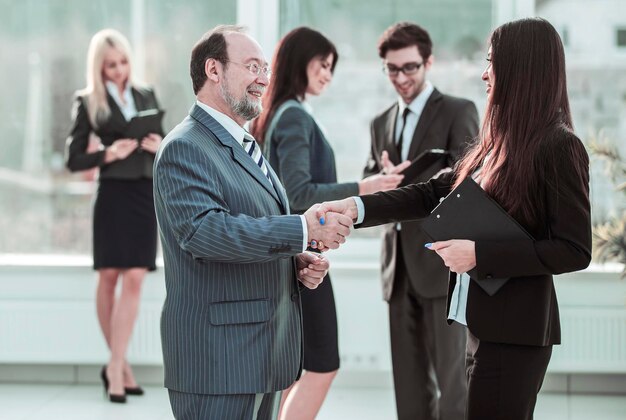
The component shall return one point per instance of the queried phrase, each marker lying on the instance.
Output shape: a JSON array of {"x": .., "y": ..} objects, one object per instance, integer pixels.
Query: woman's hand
[
  {"x": 457, "y": 254},
  {"x": 151, "y": 143},
  {"x": 120, "y": 150}
]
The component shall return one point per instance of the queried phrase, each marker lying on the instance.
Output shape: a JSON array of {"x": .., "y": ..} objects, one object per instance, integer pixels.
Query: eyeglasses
[
  {"x": 255, "y": 69},
  {"x": 407, "y": 69}
]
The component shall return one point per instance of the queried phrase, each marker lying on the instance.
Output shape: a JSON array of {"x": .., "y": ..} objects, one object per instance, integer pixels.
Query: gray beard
[{"x": 244, "y": 107}]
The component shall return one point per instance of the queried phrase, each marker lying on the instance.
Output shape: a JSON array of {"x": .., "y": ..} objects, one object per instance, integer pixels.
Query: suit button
[
  {"x": 488, "y": 276},
  {"x": 294, "y": 297}
]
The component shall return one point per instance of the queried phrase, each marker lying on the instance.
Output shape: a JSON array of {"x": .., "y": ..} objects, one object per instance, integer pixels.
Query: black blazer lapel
[
  {"x": 116, "y": 121},
  {"x": 239, "y": 154},
  {"x": 430, "y": 111},
  {"x": 389, "y": 139}
]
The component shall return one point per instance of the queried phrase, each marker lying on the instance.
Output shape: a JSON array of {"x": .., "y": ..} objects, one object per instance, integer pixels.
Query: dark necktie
[
  {"x": 399, "y": 144},
  {"x": 252, "y": 148}
]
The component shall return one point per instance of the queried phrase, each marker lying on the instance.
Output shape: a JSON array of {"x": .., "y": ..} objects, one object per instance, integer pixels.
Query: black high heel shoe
[
  {"x": 114, "y": 398},
  {"x": 137, "y": 390}
]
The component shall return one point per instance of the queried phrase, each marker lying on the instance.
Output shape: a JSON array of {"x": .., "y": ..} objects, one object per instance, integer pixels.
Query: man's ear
[
  {"x": 212, "y": 69},
  {"x": 429, "y": 62}
]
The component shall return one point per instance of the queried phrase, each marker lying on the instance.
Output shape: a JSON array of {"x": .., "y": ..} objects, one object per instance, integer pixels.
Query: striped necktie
[{"x": 252, "y": 148}]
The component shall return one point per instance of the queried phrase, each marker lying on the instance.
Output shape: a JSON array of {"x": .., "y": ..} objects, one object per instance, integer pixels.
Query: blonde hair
[{"x": 96, "y": 93}]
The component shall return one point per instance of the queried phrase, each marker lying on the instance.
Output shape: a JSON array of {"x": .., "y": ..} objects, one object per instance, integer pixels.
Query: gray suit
[
  {"x": 427, "y": 354},
  {"x": 231, "y": 321}
]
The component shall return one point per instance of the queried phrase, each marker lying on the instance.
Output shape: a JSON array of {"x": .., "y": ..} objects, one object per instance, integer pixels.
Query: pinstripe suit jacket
[{"x": 231, "y": 321}]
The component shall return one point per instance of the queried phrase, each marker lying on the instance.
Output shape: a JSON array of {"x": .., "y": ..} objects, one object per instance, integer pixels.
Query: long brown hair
[
  {"x": 528, "y": 102},
  {"x": 289, "y": 65}
]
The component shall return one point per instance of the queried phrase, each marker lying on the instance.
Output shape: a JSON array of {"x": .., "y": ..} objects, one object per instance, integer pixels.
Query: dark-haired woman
[
  {"x": 297, "y": 149},
  {"x": 529, "y": 160}
]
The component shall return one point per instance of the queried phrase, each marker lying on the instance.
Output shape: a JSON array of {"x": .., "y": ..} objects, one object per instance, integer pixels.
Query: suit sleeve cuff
[{"x": 305, "y": 233}]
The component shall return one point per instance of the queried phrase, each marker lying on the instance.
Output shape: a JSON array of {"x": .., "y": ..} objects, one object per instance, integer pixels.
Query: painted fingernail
[
  {"x": 428, "y": 245},
  {"x": 322, "y": 221},
  {"x": 313, "y": 242}
]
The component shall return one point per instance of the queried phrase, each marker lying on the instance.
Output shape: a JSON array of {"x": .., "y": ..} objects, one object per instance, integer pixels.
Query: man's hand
[
  {"x": 389, "y": 167},
  {"x": 379, "y": 182},
  {"x": 345, "y": 208},
  {"x": 457, "y": 254},
  {"x": 312, "y": 268},
  {"x": 328, "y": 233}
]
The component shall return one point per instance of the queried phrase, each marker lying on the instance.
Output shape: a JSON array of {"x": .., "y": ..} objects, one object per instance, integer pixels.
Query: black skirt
[
  {"x": 124, "y": 225},
  {"x": 319, "y": 324}
]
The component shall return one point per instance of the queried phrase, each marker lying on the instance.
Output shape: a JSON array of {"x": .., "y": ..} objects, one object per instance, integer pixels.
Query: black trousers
[
  {"x": 503, "y": 379},
  {"x": 427, "y": 355}
]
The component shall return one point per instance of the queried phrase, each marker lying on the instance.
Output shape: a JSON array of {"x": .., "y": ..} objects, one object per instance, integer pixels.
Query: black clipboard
[
  {"x": 145, "y": 122},
  {"x": 420, "y": 164},
  {"x": 469, "y": 213}
]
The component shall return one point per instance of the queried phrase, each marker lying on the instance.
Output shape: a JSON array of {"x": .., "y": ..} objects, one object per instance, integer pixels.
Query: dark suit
[
  {"x": 231, "y": 321},
  {"x": 124, "y": 224},
  {"x": 515, "y": 328},
  {"x": 425, "y": 351}
]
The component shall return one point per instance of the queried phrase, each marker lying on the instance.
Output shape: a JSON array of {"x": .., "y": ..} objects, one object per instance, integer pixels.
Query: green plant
[{"x": 609, "y": 238}]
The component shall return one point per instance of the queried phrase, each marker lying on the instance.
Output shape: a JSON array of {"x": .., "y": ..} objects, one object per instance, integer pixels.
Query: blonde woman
[{"x": 124, "y": 223}]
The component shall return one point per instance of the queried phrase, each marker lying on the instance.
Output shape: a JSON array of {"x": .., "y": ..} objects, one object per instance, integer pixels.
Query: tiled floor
[{"x": 86, "y": 402}]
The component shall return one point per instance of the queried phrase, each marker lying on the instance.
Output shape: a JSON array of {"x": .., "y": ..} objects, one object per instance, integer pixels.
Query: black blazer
[
  {"x": 525, "y": 310},
  {"x": 137, "y": 165},
  {"x": 447, "y": 123}
]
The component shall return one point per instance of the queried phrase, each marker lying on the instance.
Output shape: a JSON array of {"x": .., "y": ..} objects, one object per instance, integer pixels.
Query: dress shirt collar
[
  {"x": 228, "y": 123},
  {"x": 418, "y": 104},
  {"x": 125, "y": 102}
]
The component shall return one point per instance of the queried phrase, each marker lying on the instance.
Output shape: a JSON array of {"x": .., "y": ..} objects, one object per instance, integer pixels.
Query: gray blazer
[
  {"x": 448, "y": 123},
  {"x": 303, "y": 159},
  {"x": 231, "y": 321}
]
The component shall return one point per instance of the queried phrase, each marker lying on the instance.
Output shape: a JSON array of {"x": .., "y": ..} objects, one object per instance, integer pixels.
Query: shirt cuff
[
  {"x": 305, "y": 233},
  {"x": 360, "y": 210}
]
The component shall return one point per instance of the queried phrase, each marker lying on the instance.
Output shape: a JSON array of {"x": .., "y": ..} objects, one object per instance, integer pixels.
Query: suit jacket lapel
[
  {"x": 117, "y": 119},
  {"x": 390, "y": 135},
  {"x": 280, "y": 190},
  {"x": 140, "y": 102},
  {"x": 428, "y": 113},
  {"x": 238, "y": 153}
]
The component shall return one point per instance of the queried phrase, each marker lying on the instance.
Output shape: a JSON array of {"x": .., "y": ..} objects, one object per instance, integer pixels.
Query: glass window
[{"x": 44, "y": 46}]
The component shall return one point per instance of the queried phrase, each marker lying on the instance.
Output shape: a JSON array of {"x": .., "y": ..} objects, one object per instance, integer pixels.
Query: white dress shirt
[
  {"x": 412, "y": 118},
  {"x": 126, "y": 102}
]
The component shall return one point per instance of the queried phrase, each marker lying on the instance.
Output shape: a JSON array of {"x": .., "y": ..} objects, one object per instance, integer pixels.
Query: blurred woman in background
[{"x": 124, "y": 223}]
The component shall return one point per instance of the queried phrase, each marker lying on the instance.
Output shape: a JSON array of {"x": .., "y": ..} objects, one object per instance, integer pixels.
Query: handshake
[{"x": 329, "y": 223}]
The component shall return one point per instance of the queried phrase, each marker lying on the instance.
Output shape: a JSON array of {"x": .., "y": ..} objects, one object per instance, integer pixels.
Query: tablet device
[
  {"x": 145, "y": 122},
  {"x": 420, "y": 164}
]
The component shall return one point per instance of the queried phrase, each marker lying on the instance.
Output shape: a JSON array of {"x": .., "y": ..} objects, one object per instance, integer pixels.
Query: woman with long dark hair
[
  {"x": 528, "y": 159},
  {"x": 298, "y": 151},
  {"x": 124, "y": 222}
]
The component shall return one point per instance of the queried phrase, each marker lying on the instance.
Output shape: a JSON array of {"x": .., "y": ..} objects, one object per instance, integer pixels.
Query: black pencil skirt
[
  {"x": 319, "y": 323},
  {"x": 124, "y": 225}
]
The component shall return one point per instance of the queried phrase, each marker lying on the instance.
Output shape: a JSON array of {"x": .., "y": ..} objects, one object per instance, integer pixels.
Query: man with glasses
[
  {"x": 234, "y": 257},
  {"x": 427, "y": 353}
]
